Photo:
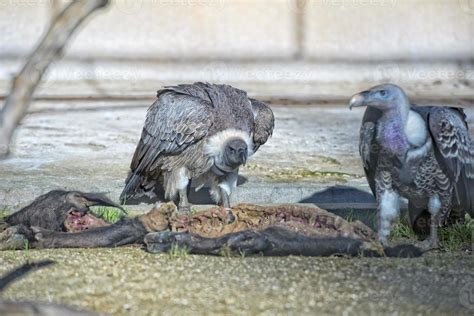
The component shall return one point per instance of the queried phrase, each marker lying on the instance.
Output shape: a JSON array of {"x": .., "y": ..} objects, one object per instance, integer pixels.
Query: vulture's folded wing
[
  {"x": 264, "y": 123},
  {"x": 454, "y": 151},
  {"x": 368, "y": 146},
  {"x": 173, "y": 122}
]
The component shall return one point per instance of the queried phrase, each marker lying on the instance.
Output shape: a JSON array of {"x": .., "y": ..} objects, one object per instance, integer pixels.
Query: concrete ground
[{"x": 91, "y": 150}]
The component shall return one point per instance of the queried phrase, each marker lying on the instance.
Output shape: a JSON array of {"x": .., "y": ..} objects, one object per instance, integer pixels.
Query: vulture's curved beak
[
  {"x": 358, "y": 99},
  {"x": 244, "y": 156}
]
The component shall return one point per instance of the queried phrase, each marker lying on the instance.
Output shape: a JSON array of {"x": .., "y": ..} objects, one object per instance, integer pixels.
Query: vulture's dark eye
[{"x": 383, "y": 93}]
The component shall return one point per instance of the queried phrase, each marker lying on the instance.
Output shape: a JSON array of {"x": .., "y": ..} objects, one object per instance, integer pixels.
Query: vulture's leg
[
  {"x": 434, "y": 207},
  {"x": 179, "y": 180},
  {"x": 225, "y": 199},
  {"x": 388, "y": 201},
  {"x": 388, "y": 204},
  {"x": 184, "y": 206},
  {"x": 226, "y": 186}
]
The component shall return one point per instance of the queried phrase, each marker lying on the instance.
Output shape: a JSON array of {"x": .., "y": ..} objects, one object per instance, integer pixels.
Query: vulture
[
  {"x": 197, "y": 132},
  {"x": 421, "y": 153}
]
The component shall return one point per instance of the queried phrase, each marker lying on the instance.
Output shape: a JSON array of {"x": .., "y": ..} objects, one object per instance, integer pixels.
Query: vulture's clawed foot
[
  {"x": 184, "y": 209},
  {"x": 383, "y": 242},
  {"x": 230, "y": 217}
]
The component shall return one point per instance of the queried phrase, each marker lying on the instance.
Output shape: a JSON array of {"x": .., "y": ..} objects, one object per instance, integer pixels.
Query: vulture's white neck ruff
[
  {"x": 215, "y": 146},
  {"x": 415, "y": 129}
]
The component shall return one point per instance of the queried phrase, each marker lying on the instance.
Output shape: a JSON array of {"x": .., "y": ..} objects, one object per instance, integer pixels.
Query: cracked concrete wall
[{"x": 318, "y": 30}]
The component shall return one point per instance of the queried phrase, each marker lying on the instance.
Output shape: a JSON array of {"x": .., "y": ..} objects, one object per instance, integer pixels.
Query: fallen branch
[{"x": 50, "y": 48}]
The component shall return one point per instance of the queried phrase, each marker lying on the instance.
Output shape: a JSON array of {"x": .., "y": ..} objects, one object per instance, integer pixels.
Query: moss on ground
[{"x": 298, "y": 174}]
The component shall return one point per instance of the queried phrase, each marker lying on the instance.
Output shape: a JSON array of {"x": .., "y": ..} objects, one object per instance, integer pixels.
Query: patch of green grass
[
  {"x": 329, "y": 160},
  {"x": 177, "y": 251},
  {"x": 26, "y": 250},
  {"x": 402, "y": 230},
  {"x": 457, "y": 237},
  {"x": 109, "y": 214},
  {"x": 225, "y": 252},
  {"x": 350, "y": 215},
  {"x": 452, "y": 238},
  {"x": 242, "y": 254}
]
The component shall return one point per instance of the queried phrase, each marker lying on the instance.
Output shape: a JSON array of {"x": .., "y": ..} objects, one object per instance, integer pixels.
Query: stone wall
[{"x": 319, "y": 30}]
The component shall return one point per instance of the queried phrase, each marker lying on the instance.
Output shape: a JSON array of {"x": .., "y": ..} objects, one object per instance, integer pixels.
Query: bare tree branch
[{"x": 50, "y": 48}]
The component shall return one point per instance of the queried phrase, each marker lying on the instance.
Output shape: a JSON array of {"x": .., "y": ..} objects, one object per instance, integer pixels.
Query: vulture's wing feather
[
  {"x": 264, "y": 123},
  {"x": 454, "y": 151},
  {"x": 174, "y": 121},
  {"x": 368, "y": 146}
]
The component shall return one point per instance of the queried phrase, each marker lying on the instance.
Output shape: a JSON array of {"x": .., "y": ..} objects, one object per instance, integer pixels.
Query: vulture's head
[
  {"x": 230, "y": 149},
  {"x": 385, "y": 97},
  {"x": 235, "y": 153}
]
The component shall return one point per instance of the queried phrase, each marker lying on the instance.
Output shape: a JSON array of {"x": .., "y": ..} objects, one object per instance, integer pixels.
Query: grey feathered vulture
[
  {"x": 422, "y": 153},
  {"x": 201, "y": 132}
]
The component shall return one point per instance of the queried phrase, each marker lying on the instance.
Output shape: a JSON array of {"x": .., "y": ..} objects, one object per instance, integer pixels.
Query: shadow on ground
[
  {"x": 202, "y": 196},
  {"x": 348, "y": 202}
]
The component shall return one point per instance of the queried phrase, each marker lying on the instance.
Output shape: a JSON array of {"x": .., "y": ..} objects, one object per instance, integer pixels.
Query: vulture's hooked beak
[
  {"x": 244, "y": 158},
  {"x": 358, "y": 99}
]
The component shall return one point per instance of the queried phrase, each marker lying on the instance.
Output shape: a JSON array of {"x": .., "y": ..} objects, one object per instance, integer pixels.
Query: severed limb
[
  {"x": 129, "y": 232},
  {"x": 272, "y": 241},
  {"x": 50, "y": 48},
  {"x": 126, "y": 231}
]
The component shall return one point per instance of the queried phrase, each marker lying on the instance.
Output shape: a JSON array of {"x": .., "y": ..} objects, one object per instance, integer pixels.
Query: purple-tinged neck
[{"x": 392, "y": 133}]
